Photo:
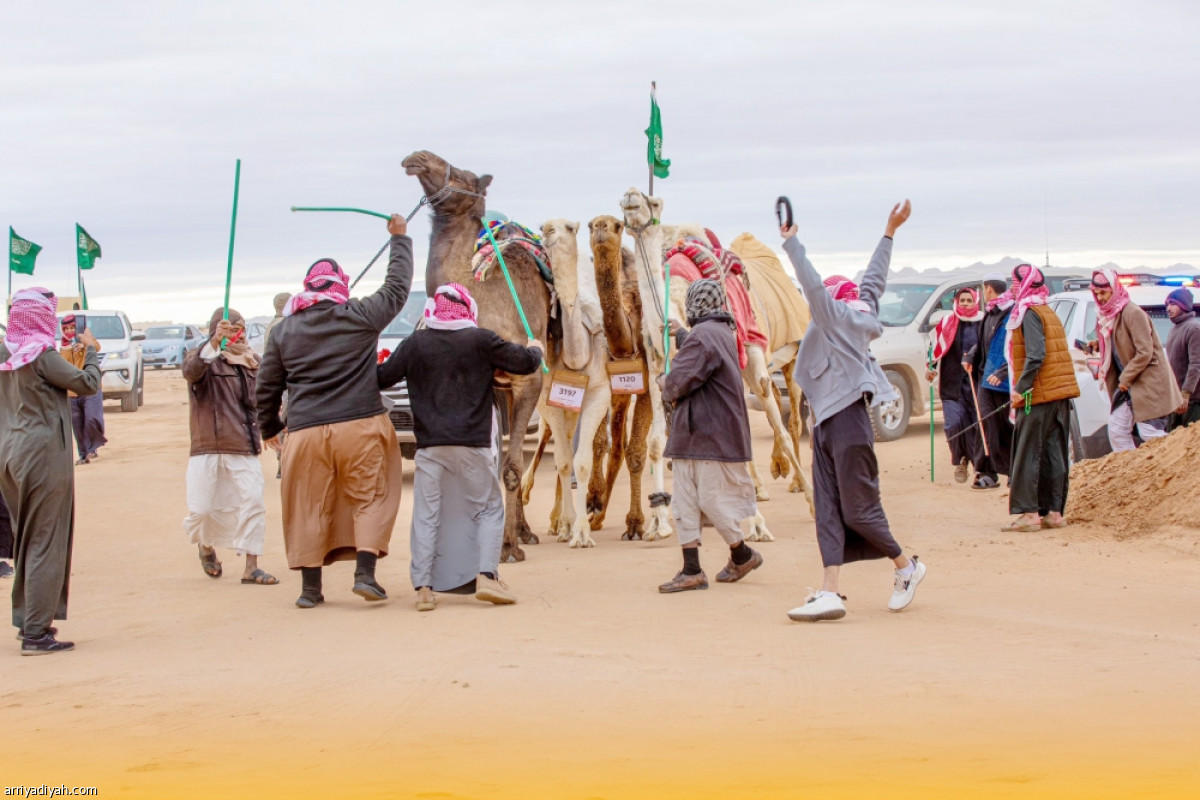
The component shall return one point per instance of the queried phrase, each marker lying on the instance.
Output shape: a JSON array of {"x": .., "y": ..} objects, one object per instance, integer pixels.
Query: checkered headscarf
[
  {"x": 31, "y": 327},
  {"x": 451, "y": 308},
  {"x": 705, "y": 298},
  {"x": 325, "y": 281}
]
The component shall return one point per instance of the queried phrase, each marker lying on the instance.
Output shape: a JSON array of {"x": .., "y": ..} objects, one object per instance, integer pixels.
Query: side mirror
[
  {"x": 138, "y": 337},
  {"x": 934, "y": 318}
]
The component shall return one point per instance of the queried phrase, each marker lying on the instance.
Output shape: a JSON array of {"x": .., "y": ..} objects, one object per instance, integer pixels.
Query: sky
[{"x": 1014, "y": 127}]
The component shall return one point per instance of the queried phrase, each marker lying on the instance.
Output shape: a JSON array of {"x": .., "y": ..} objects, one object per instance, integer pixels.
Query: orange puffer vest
[{"x": 1056, "y": 379}]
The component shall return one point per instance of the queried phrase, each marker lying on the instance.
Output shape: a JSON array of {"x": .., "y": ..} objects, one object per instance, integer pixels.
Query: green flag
[
  {"x": 21, "y": 253},
  {"x": 658, "y": 164},
  {"x": 87, "y": 249}
]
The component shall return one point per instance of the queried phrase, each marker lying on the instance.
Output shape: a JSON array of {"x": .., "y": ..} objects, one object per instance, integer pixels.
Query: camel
[
  {"x": 583, "y": 350},
  {"x": 457, "y": 199},
  {"x": 642, "y": 215},
  {"x": 625, "y": 329}
]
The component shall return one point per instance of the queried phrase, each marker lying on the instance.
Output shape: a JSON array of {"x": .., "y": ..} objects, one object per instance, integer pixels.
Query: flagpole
[{"x": 653, "y": 91}]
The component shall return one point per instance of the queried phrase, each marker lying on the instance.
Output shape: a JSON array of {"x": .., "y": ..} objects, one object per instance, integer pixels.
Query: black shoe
[
  {"x": 44, "y": 645},
  {"x": 366, "y": 588},
  {"x": 52, "y": 631},
  {"x": 309, "y": 599},
  {"x": 5, "y": 570}
]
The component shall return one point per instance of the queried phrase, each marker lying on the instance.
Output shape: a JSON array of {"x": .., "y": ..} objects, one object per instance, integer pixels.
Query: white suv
[
  {"x": 122, "y": 375},
  {"x": 1077, "y": 311}
]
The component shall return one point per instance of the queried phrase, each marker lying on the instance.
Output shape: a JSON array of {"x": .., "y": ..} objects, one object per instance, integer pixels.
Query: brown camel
[
  {"x": 458, "y": 201},
  {"x": 617, "y": 286}
]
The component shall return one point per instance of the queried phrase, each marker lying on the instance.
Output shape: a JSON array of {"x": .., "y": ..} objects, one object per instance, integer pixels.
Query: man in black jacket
[
  {"x": 710, "y": 440},
  {"x": 342, "y": 471},
  {"x": 458, "y": 508}
]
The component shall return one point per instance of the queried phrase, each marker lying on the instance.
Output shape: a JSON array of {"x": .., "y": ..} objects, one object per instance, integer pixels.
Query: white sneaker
[
  {"x": 904, "y": 588},
  {"x": 819, "y": 606}
]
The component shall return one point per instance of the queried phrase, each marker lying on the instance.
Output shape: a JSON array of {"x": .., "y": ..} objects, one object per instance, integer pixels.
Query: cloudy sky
[{"x": 1008, "y": 124}]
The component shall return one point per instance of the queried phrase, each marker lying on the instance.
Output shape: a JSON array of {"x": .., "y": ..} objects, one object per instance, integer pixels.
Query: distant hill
[{"x": 1008, "y": 263}]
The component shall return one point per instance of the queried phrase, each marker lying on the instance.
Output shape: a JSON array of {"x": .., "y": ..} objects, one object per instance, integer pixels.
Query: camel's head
[
  {"x": 640, "y": 210},
  {"x": 467, "y": 191},
  {"x": 559, "y": 237},
  {"x": 606, "y": 234}
]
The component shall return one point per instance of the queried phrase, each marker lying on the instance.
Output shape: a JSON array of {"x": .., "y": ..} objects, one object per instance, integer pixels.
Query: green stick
[
  {"x": 929, "y": 368},
  {"x": 237, "y": 181},
  {"x": 351, "y": 210},
  {"x": 512, "y": 289},
  {"x": 931, "y": 433},
  {"x": 666, "y": 314}
]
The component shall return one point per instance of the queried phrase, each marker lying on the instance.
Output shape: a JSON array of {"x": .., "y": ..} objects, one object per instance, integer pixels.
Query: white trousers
[
  {"x": 1120, "y": 429},
  {"x": 225, "y": 503}
]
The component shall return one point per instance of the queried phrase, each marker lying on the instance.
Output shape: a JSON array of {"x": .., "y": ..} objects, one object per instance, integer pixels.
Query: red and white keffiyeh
[
  {"x": 1003, "y": 301},
  {"x": 844, "y": 290},
  {"x": 451, "y": 309},
  {"x": 947, "y": 328},
  {"x": 32, "y": 323},
  {"x": 325, "y": 281},
  {"x": 1107, "y": 313},
  {"x": 1031, "y": 292},
  {"x": 66, "y": 341}
]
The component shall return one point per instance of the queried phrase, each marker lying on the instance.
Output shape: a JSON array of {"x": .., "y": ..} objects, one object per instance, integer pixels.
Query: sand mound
[{"x": 1140, "y": 491}]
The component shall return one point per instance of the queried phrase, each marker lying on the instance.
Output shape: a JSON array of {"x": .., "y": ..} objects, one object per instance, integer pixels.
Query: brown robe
[
  {"x": 1153, "y": 390},
  {"x": 341, "y": 490}
]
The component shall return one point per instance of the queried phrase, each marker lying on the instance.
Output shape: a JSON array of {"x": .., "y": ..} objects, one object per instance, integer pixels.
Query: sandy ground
[{"x": 1051, "y": 664}]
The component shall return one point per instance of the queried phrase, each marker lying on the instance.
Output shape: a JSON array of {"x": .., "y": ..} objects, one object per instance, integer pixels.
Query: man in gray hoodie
[{"x": 841, "y": 381}]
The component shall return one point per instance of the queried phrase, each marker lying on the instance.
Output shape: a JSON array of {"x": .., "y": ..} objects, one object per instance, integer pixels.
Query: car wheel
[
  {"x": 129, "y": 401},
  {"x": 890, "y": 420},
  {"x": 141, "y": 388}
]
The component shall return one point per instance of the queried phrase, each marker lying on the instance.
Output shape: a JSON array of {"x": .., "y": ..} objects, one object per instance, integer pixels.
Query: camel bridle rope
[{"x": 426, "y": 200}]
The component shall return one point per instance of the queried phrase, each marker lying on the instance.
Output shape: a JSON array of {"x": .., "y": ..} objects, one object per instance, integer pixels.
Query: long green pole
[
  {"x": 237, "y": 181},
  {"x": 929, "y": 366},
  {"x": 379, "y": 214},
  {"x": 512, "y": 289},
  {"x": 931, "y": 433}
]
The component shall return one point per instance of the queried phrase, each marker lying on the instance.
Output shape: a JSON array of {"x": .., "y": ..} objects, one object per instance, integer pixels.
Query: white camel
[{"x": 584, "y": 351}]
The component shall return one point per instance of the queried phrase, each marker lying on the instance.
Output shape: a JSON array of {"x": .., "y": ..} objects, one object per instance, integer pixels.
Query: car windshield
[
  {"x": 1162, "y": 323},
  {"x": 175, "y": 332},
  {"x": 406, "y": 321},
  {"x": 900, "y": 303}
]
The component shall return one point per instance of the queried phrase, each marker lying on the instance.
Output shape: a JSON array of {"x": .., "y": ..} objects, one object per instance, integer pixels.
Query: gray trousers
[
  {"x": 87, "y": 420},
  {"x": 458, "y": 517},
  {"x": 1040, "y": 465},
  {"x": 851, "y": 525},
  {"x": 716, "y": 493}
]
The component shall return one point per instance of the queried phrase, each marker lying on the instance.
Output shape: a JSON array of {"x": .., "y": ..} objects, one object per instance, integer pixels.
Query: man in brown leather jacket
[{"x": 224, "y": 478}]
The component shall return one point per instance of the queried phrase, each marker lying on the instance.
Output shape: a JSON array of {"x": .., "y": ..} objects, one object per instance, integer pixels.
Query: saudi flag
[
  {"x": 658, "y": 164},
  {"x": 21, "y": 253},
  {"x": 87, "y": 249}
]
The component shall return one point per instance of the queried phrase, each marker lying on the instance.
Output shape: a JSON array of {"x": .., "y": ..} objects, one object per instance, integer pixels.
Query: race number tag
[
  {"x": 627, "y": 376},
  {"x": 567, "y": 390}
]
